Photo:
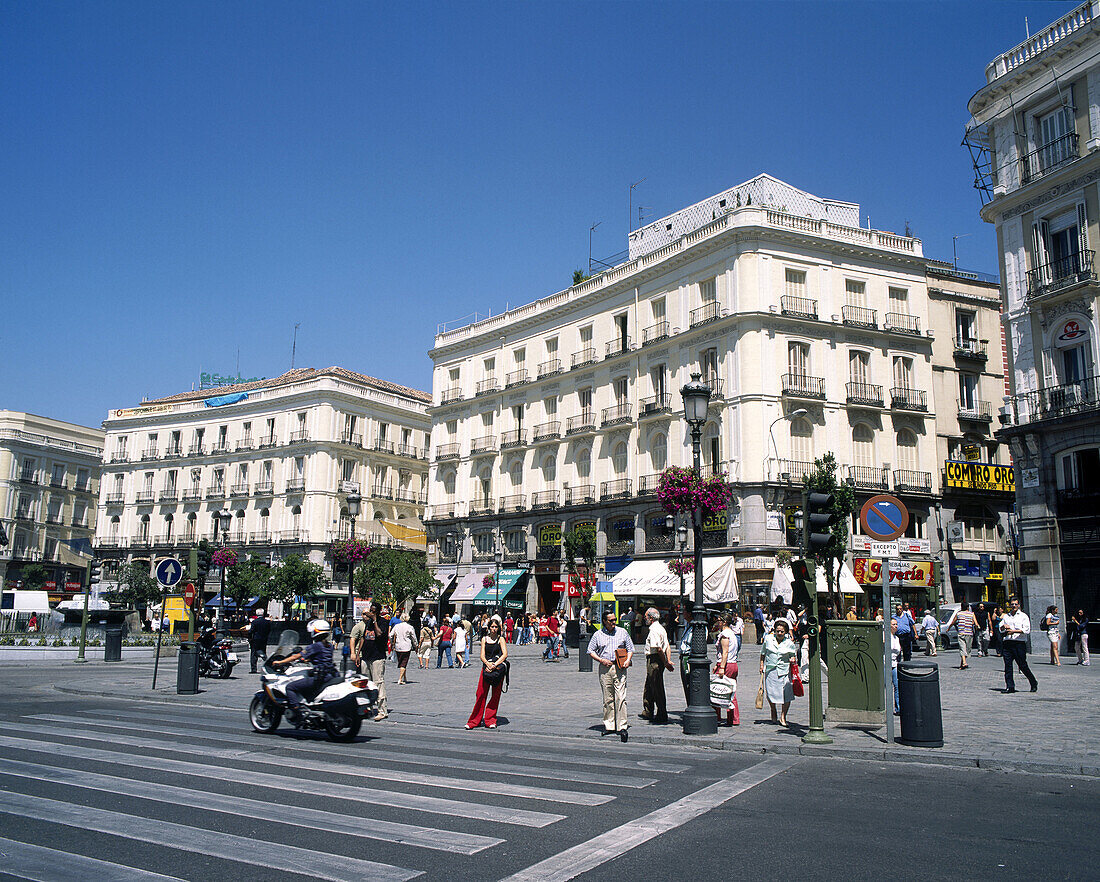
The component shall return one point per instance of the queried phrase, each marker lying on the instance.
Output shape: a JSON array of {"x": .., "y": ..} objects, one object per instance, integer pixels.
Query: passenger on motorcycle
[{"x": 319, "y": 655}]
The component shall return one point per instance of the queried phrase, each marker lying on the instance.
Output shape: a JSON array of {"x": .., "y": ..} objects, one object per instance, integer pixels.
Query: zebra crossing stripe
[
  {"x": 283, "y": 783},
  {"x": 249, "y": 753},
  {"x": 382, "y": 755},
  {"x": 40, "y": 864},
  {"x": 298, "y": 816},
  {"x": 240, "y": 849}
]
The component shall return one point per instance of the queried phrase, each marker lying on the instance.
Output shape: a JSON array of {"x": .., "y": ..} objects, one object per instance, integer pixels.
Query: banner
[
  {"x": 979, "y": 476},
  {"x": 903, "y": 573},
  {"x": 550, "y": 534},
  {"x": 716, "y": 523}
]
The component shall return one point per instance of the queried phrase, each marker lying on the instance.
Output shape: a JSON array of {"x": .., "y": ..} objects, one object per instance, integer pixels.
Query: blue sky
[{"x": 183, "y": 182}]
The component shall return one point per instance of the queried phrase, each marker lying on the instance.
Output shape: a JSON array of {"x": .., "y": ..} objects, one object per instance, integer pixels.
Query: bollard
[
  {"x": 187, "y": 669},
  {"x": 112, "y": 645}
]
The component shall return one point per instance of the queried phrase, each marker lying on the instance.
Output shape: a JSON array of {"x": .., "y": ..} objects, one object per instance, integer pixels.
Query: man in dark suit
[{"x": 258, "y": 632}]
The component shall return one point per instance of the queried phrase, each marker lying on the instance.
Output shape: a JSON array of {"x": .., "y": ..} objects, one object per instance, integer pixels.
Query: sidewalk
[{"x": 1051, "y": 731}]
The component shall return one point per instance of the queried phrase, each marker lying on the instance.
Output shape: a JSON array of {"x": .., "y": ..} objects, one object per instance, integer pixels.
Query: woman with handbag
[
  {"x": 775, "y": 665},
  {"x": 725, "y": 668},
  {"x": 494, "y": 674}
]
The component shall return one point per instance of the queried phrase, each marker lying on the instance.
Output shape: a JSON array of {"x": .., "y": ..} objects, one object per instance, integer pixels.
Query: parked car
[{"x": 949, "y": 638}]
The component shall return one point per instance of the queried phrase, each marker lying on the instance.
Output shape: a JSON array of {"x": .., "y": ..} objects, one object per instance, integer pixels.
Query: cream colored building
[
  {"x": 280, "y": 455},
  {"x": 49, "y": 484},
  {"x": 812, "y": 331}
]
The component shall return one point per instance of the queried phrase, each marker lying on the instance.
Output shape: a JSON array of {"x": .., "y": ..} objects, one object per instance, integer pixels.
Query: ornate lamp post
[
  {"x": 224, "y": 518},
  {"x": 699, "y": 718},
  {"x": 354, "y": 500},
  {"x": 674, "y": 523},
  {"x": 498, "y": 556}
]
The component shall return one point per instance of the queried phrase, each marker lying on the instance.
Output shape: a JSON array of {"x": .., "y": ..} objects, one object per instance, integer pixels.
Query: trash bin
[
  {"x": 187, "y": 669},
  {"x": 919, "y": 697},
  {"x": 584, "y": 660},
  {"x": 573, "y": 633},
  {"x": 112, "y": 645}
]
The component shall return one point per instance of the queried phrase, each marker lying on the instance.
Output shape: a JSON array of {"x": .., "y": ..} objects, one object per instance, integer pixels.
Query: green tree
[
  {"x": 296, "y": 577},
  {"x": 580, "y": 276},
  {"x": 580, "y": 547},
  {"x": 34, "y": 576},
  {"x": 249, "y": 578},
  {"x": 135, "y": 587},
  {"x": 822, "y": 479},
  {"x": 395, "y": 576}
]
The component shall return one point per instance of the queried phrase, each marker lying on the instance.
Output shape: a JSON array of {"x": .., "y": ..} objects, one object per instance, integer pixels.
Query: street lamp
[
  {"x": 794, "y": 414},
  {"x": 681, "y": 543},
  {"x": 353, "y": 500},
  {"x": 452, "y": 539},
  {"x": 699, "y": 719},
  {"x": 223, "y": 518},
  {"x": 498, "y": 556}
]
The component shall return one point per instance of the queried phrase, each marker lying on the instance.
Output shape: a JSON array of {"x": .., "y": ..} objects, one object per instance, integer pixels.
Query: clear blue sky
[{"x": 183, "y": 181}]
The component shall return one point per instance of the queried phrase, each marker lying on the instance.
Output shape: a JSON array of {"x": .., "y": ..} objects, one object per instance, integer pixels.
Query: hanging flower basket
[
  {"x": 488, "y": 582},
  {"x": 681, "y": 567},
  {"x": 350, "y": 550},
  {"x": 682, "y": 490},
  {"x": 224, "y": 557}
]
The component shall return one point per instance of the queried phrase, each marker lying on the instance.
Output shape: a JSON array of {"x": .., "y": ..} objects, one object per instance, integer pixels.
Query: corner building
[
  {"x": 812, "y": 332},
  {"x": 1035, "y": 138}
]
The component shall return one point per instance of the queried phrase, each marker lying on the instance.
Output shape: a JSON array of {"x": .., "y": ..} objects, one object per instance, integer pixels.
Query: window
[
  {"x": 966, "y": 328},
  {"x": 115, "y": 523},
  {"x": 907, "y": 449},
  {"x": 170, "y": 481},
  {"x": 384, "y": 431},
  {"x": 169, "y": 526},
  {"x": 82, "y": 479},
  {"x": 708, "y": 292},
  {"x": 118, "y": 484},
  {"x": 517, "y": 416},
  {"x": 449, "y": 486},
  {"x": 657, "y": 306},
  {"x": 196, "y": 481},
  {"x": 1055, "y": 147},
  {"x": 657, "y": 375},
  {"x": 485, "y": 484},
  {"x": 584, "y": 465},
  {"x": 147, "y": 484},
  {"x": 57, "y": 475},
  {"x": 296, "y": 518},
  {"x": 267, "y": 471},
  {"x": 223, "y": 435},
  {"x": 199, "y": 435},
  {"x": 519, "y": 356},
  {"x": 551, "y": 348},
  {"x": 143, "y": 528},
  {"x": 455, "y": 374},
  {"x": 299, "y": 467},
  {"x": 348, "y": 471},
  {"x": 795, "y": 283},
  {"x": 489, "y": 366},
  {"x": 802, "y": 440},
  {"x": 903, "y": 372},
  {"x": 584, "y": 399},
  {"x": 1081, "y": 469},
  {"x": 80, "y": 511},
  {"x": 658, "y": 453},
  {"x": 27, "y": 472},
  {"x": 619, "y": 459},
  {"x": 242, "y": 474},
  {"x": 151, "y": 443},
  {"x": 899, "y": 300},
  {"x": 483, "y": 543},
  {"x": 452, "y": 429},
  {"x": 855, "y": 293},
  {"x": 916, "y": 526},
  {"x": 271, "y": 429},
  {"x": 549, "y": 472},
  {"x": 798, "y": 360},
  {"x": 859, "y": 370},
  {"x": 123, "y": 441},
  {"x": 708, "y": 367},
  {"x": 968, "y": 391},
  {"x": 513, "y": 542},
  {"x": 192, "y": 526},
  {"x": 620, "y": 387},
  {"x": 265, "y": 520},
  {"x": 863, "y": 446},
  {"x": 219, "y": 480},
  {"x": 621, "y": 335},
  {"x": 517, "y": 475},
  {"x": 550, "y": 406},
  {"x": 586, "y": 338},
  {"x": 246, "y": 432},
  {"x": 174, "y": 444},
  {"x": 712, "y": 451}
]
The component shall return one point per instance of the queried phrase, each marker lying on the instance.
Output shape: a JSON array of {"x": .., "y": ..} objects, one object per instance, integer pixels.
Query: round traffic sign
[
  {"x": 169, "y": 572},
  {"x": 189, "y": 594},
  {"x": 884, "y": 517}
]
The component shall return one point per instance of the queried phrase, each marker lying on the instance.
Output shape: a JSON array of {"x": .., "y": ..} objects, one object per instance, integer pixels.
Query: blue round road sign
[
  {"x": 169, "y": 571},
  {"x": 884, "y": 517}
]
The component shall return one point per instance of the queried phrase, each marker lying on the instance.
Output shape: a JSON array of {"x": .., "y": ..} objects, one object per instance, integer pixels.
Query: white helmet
[{"x": 318, "y": 628}]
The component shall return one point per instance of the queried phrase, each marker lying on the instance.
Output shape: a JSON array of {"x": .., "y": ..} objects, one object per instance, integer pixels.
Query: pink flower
[
  {"x": 350, "y": 550},
  {"x": 224, "y": 557}
]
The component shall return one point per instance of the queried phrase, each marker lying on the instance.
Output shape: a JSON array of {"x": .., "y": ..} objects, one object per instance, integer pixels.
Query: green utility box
[{"x": 855, "y": 672}]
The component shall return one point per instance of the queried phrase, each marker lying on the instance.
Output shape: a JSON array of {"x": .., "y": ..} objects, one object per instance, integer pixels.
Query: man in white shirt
[
  {"x": 1015, "y": 628},
  {"x": 658, "y": 659},
  {"x": 603, "y": 649},
  {"x": 931, "y": 627}
]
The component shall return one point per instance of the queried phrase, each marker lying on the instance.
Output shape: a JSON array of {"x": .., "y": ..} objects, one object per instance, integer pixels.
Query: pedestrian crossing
[{"x": 181, "y": 793}]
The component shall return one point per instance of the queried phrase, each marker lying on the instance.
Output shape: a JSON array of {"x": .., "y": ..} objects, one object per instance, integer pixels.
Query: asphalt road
[{"x": 93, "y": 787}]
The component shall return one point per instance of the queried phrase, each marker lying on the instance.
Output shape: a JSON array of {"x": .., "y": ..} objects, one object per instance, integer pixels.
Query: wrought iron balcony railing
[
  {"x": 908, "y": 399},
  {"x": 864, "y": 394},
  {"x": 296, "y": 485},
  {"x": 488, "y": 386},
  {"x": 617, "y": 346},
  {"x": 654, "y": 333},
  {"x": 584, "y": 357},
  {"x": 1066, "y": 272},
  {"x": 793, "y": 470},
  {"x": 484, "y": 444},
  {"x": 656, "y": 406},
  {"x": 546, "y": 431},
  {"x": 800, "y": 307},
  {"x": 516, "y": 378},
  {"x": 514, "y": 438},
  {"x": 910, "y": 481},
  {"x": 544, "y": 499},
  {"x": 446, "y": 451},
  {"x": 514, "y": 502},
  {"x": 583, "y": 422},
  {"x": 453, "y": 393},
  {"x": 803, "y": 386},
  {"x": 581, "y": 494},
  {"x": 869, "y": 477},
  {"x": 903, "y": 323},
  {"x": 620, "y": 413},
  {"x": 979, "y": 411},
  {"x": 617, "y": 489},
  {"x": 1056, "y": 402},
  {"x": 859, "y": 316},
  {"x": 1051, "y": 156},
  {"x": 263, "y": 488},
  {"x": 550, "y": 368},
  {"x": 975, "y": 349},
  {"x": 708, "y": 312},
  {"x": 144, "y": 496},
  {"x": 647, "y": 484}
]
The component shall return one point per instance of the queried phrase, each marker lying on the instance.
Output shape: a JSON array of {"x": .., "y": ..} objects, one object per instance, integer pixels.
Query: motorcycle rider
[{"x": 319, "y": 655}]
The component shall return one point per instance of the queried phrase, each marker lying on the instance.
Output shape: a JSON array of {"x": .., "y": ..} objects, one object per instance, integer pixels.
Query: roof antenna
[
  {"x": 294, "y": 345},
  {"x": 1027, "y": 28}
]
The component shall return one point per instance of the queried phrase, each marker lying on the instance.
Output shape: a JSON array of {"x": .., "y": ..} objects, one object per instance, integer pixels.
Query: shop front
[{"x": 911, "y": 581}]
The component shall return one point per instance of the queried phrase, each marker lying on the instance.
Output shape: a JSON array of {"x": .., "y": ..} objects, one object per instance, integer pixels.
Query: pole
[
  {"x": 816, "y": 732},
  {"x": 699, "y": 718},
  {"x": 887, "y": 662},
  {"x": 84, "y": 620},
  {"x": 349, "y": 615},
  {"x": 496, "y": 585},
  {"x": 160, "y": 634}
]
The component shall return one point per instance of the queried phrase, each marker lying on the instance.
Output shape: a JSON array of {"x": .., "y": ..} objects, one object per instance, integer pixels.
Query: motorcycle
[
  {"x": 337, "y": 706},
  {"x": 216, "y": 655}
]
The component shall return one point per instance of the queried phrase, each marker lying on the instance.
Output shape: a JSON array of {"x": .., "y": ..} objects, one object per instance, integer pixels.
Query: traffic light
[
  {"x": 200, "y": 563},
  {"x": 805, "y": 583},
  {"x": 95, "y": 572},
  {"x": 937, "y": 572},
  {"x": 820, "y": 518}
]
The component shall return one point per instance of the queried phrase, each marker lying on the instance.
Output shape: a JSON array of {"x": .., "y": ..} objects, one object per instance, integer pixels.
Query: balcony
[
  {"x": 196, "y": 450},
  {"x": 192, "y": 494},
  {"x": 488, "y": 386},
  {"x": 484, "y": 444},
  {"x": 245, "y": 443},
  {"x": 263, "y": 488},
  {"x": 584, "y": 357},
  {"x": 481, "y": 507},
  {"x": 864, "y": 394},
  {"x": 617, "y": 415},
  {"x": 141, "y": 542},
  {"x": 262, "y": 537},
  {"x": 149, "y": 453},
  {"x": 119, "y": 456},
  {"x": 655, "y": 333},
  {"x": 708, "y": 312},
  {"x": 221, "y": 447},
  {"x": 617, "y": 489},
  {"x": 382, "y": 491},
  {"x": 581, "y": 494},
  {"x": 291, "y": 536},
  {"x": 976, "y": 411},
  {"x": 550, "y": 368},
  {"x": 299, "y": 437},
  {"x": 971, "y": 349},
  {"x": 658, "y": 405},
  {"x": 869, "y": 478},
  {"x": 516, "y": 378},
  {"x": 440, "y": 512},
  {"x": 797, "y": 307},
  {"x": 410, "y": 451},
  {"x": 145, "y": 497},
  {"x": 794, "y": 471},
  {"x": 548, "y": 552},
  {"x": 404, "y": 494},
  {"x": 903, "y": 323},
  {"x": 647, "y": 484},
  {"x": 1061, "y": 276},
  {"x": 239, "y": 489},
  {"x": 515, "y": 438},
  {"x": 804, "y": 386},
  {"x": 512, "y": 503},
  {"x": 173, "y": 452},
  {"x": 24, "y": 515},
  {"x": 619, "y": 547},
  {"x": 352, "y": 439},
  {"x": 53, "y": 518},
  {"x": 908, "y": 399},
  {"x": 546, "y": 431},
  {"x": 169, "y": 494},
  {"x": 268, "y": 442},
  {"x": 216, "y": 492},
  {"x": 1058, "y": 401},
  {"x": 1048, "y": 158},
  {"x": 453, "y": 393},
  {"x": 114, "y": 498},
  {"x": 618, "y": 346},
  {"x": 296, "y": 485},
  {"x": 583, "y": 423},
  {"x": 909, "y": 481},
  {"x": 82, "y": 487},
  {"x": 859, "y": 317},
  {"x": 544, "y": 499},
  {"x": 446, "y": 451},
  {"x": 166, "y": 539},
  {"x": 716, "y": 385}
]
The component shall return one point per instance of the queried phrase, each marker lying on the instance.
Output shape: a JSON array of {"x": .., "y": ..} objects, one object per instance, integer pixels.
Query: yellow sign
[
  {"x": 790, "y": 516},
  {"x": 980, "y": 476},
  {"x": 903, "y": 573},
  {"x": 550, "y": 534},
  {"x": 143, "y": 411},
  {"x": 585, "y": 527},
  {"x": 716, "y": 523}
]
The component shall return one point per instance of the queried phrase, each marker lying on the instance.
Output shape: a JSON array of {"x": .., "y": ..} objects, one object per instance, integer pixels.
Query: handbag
[
  {"x": 796, "y": 680},
  {"x": 722, "y": 690},
  {"x": 622, "y": 654},
  {"x": 760, "y": 693}
]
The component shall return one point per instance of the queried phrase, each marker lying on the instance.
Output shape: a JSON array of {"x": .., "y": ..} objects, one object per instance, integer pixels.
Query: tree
[
  {"x": 249, "y": 578},
  {"x": 822, "y": 479},
  {"x": 580, "y": 545},
  {"x": 135, "y": 587},
  {"x": 580, "y": 276},
  {"x": 34, "y": 576},
  {"x": 296, "y": 577},
  {"x": 394, "y": 576}
]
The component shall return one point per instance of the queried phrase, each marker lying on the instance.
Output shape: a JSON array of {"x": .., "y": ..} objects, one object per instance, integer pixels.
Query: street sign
[
  {"x": 884, "y": 549},
  {"x": 169, "y": 572},
  {"x": 189, "y": 594},
  {"x": 884, "y": 517}
]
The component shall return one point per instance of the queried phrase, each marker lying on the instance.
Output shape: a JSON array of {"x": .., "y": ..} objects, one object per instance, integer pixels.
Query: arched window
[
  {"x": 658, "y": 453},
  {"x": 115, "y": 526},
  {"x": 485, "y": 490},
  {"x": 584, "y": 465},
  {"x": 517, "y": 475},
  {"x": 143, "y": 528},
  {"x": 907, "y": 449},
  {"x": 169, "y": 524},
  {"x": 192, "y": 526},
  {"x": 449, "y": 485},
  {"x": 549, "y": 472},
  {"x": 712, "y": 450},
  {"x": 619, "y": 458},
  {"x": 802, "y": 440},
  {"x": 296, "y": 518},
  {"x": 265, "y": 519},
  {"x": 863, "y": 446}
]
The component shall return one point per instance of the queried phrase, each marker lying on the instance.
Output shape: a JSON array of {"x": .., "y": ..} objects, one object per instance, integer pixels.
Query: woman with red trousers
[{"x": 494, "y": 656}]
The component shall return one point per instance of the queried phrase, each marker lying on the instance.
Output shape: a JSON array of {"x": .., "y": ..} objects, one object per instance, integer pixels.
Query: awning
[
  {"x": 216, "y": 600},
  {"x": 469, "y": 586},
  {"x": 783, "y": 577},
  {"x": 508, "y": 579},
  {"x": 651, "y": 578},
  {"x": 417, "y": 537}
]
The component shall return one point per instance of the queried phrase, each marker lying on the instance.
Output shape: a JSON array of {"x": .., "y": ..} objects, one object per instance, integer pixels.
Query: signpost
[
  {"x": 168, "y": 571},
  {"x": 189, "y": 602}
]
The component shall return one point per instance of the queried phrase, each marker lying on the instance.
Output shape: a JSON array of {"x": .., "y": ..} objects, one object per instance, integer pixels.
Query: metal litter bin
[
  {"x": 919, "y": 697},
  {"x": 573, "y": 634},
  {"x": 584, "y": 660},
  {"x": 112, "y": 645},
  {"x": 187, "y": 669}
]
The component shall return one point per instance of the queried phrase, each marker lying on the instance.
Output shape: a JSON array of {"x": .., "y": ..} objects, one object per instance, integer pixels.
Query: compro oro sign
[{"x": 980, "y": 476}]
